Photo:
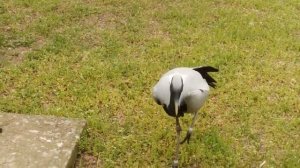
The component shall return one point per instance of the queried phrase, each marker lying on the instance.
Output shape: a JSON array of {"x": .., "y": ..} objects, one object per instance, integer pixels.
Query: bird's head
[{"x": 176, "y": 88}]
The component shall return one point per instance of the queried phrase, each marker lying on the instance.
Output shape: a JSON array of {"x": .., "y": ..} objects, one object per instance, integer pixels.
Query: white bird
[{"x": 183, "y": 90}]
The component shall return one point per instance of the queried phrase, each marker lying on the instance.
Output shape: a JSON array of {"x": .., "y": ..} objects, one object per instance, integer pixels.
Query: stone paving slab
[{"x": 28, "y": 141}]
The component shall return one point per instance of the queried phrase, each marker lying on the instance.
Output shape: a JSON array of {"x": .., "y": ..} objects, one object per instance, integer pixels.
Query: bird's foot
[
  {"x": 175, "y": 164},
  {"x": 188, "y": 136}
]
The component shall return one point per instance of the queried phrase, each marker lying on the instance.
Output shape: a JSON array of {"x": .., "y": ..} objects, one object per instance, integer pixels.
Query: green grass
[{"x": 98, "y": 60}]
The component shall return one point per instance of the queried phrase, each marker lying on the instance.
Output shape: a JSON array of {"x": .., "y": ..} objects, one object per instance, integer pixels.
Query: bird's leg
[
  {"x": 178, "y": 130},
  {"x": 189, "y": 132}
]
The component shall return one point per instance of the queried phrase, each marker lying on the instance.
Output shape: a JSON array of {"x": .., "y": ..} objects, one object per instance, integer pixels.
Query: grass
[{"x": 98, "y": 60}]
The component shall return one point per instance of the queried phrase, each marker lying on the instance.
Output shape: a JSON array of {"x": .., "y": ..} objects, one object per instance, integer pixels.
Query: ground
[{"x": 98, "y": 60}]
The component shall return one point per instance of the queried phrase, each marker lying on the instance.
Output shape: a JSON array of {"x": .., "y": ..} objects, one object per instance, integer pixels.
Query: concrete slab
[{"x": 38, "y": 141}]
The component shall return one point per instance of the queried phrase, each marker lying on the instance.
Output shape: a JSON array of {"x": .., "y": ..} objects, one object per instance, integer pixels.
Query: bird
[{"x": 183, "y": 90}]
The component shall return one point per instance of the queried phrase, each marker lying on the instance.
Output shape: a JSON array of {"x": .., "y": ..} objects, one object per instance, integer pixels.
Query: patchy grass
[{"x": 98, "y": 60}]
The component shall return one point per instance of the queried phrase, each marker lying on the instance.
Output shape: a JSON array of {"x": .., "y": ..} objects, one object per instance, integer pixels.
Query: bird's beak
[{"x": 176, "y": 107}]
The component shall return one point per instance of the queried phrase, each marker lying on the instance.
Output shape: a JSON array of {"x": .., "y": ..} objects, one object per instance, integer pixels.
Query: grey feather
[{"x": 196, "y": 84}]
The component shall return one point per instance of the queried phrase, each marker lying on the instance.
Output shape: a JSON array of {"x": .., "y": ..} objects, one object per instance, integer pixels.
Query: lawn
[{"x": 98, "y": 60}]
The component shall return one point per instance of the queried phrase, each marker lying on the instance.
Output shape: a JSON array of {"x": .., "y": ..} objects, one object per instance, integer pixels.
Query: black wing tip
[
  {"x": 206, "y": 69},
  {"x": 212, "y": 84},
  {"x": 204, "y": 72}
]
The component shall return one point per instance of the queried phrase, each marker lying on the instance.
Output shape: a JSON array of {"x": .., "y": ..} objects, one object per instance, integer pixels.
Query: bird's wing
[
  {"x": 161, "y": 91},
  {"x": 192, "y": 80},
  {"x": 204, "y": 72},
  {"x": 195, "y": 99}
]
